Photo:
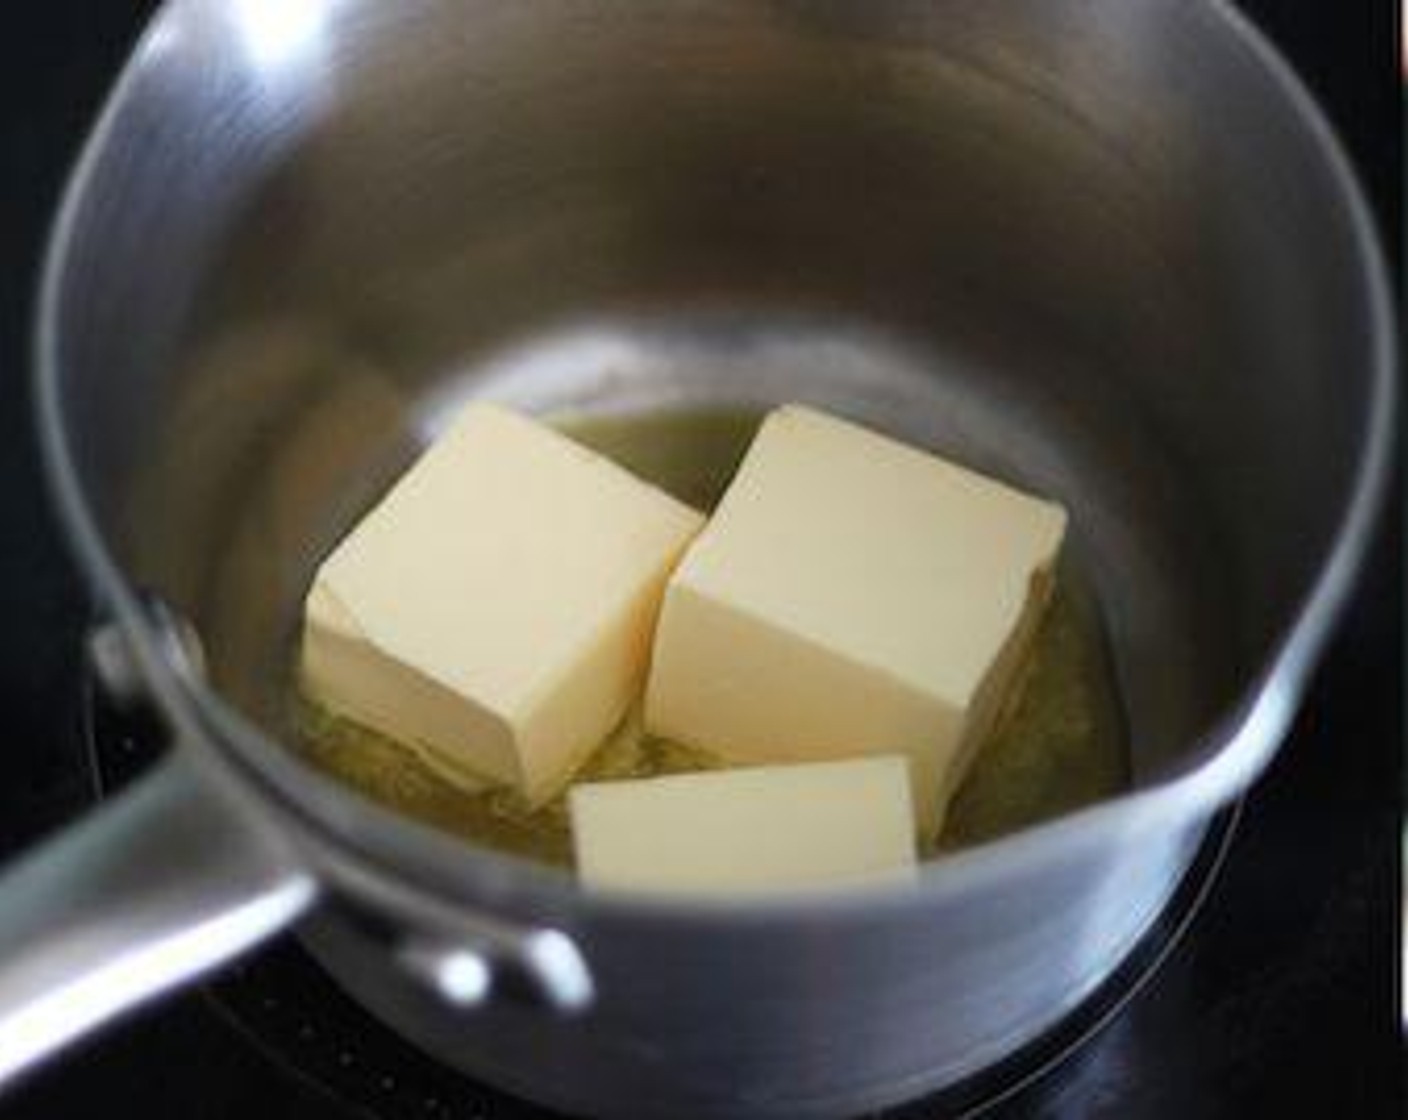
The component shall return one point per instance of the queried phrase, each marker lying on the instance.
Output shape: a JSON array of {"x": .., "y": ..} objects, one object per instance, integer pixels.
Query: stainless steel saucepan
[{"x": 1105, "y": 247}]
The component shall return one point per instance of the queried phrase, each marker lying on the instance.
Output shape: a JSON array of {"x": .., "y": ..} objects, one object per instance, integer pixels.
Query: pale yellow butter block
[
  {"x": 851, "y": 595},
  {"x": 766, "y": 828},
  {"x": 495, "y": 610}
]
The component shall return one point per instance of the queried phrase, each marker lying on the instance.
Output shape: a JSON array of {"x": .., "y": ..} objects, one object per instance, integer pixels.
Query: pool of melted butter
[{"x": 1059, "y": 744}]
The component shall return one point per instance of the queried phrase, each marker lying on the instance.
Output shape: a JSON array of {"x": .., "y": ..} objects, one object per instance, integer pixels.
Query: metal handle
[{"x": 151, "y": 891}]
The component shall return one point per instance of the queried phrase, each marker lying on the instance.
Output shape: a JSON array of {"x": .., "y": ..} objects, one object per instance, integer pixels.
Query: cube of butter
[
  {"x": 851, "y": 595},
  {"x": 494, "y": 612},
  {"x": 762, "y": 828}
]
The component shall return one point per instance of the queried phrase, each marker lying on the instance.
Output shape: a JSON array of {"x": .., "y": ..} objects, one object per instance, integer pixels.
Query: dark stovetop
[{"x": 1281, "y": 1002}]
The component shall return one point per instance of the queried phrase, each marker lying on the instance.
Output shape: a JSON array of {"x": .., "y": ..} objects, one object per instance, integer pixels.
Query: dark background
[{"x": 1282, "y": 1003}]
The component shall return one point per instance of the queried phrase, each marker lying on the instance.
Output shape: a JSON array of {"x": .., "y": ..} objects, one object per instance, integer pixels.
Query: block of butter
[
  {"x": 851, "y": 595},
  {"x": 762, "y": 828},
  {"x": 494, "y": 612}
]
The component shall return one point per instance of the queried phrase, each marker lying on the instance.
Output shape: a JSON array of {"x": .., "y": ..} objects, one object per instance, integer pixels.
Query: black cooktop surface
[{"x": 1281, "y": 1000}]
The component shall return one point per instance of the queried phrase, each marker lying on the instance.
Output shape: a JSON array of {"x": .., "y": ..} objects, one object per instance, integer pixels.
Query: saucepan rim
[{"x": 346, "y": 835}]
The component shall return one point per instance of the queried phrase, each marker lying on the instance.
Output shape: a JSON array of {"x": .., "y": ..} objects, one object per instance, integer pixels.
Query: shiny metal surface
[
  {"x": 1105, "y": 247},
  {"x": 183, "y": 874},
  {"x": 155, "y": 890}
]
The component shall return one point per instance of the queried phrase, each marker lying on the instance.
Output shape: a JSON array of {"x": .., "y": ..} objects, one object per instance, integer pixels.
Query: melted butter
[{"x": 1058, "y": 745}]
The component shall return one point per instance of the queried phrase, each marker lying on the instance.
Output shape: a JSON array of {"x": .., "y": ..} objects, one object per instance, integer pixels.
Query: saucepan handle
[{"x": 152, "y": 890}]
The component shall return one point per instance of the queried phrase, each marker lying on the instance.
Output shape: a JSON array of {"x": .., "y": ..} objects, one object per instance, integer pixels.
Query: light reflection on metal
[
  {"x": 64, "y": 1012},
  {"x": 276, "y": 33}
]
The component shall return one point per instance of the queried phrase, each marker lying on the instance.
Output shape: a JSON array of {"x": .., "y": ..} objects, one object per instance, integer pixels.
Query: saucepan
[{"x": 1107, "y": 248}]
